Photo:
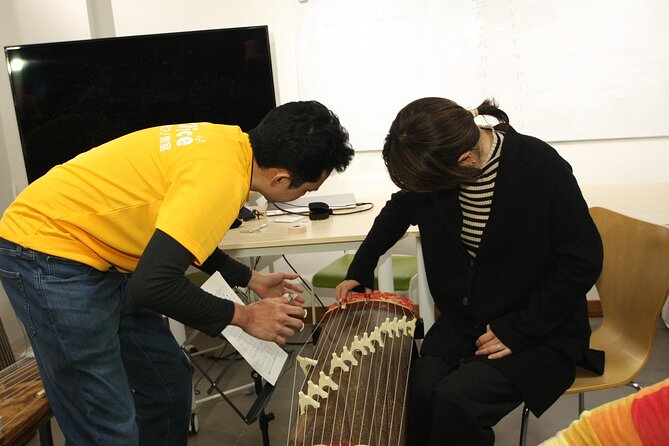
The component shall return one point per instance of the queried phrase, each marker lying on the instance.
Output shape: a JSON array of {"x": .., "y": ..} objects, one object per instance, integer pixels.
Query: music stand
[{"x": 263, "y": 395}]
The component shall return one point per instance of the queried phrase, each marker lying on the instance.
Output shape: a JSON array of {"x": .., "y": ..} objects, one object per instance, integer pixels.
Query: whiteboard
[{"x": 563, "y": 70}]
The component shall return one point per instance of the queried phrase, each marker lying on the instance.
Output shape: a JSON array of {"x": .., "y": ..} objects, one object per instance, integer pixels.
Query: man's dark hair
[{"x": 304, "y": 138}]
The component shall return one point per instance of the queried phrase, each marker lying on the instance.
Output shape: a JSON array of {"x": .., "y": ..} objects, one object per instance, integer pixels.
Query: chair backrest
[
  {"x": 634, "y": 282},
  {"x": 6, "y": 355}
]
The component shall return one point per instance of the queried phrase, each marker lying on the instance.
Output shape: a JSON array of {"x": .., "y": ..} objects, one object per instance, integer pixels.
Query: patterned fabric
[
  {"x": 476, "y": 198},
  {"x": 640, "y": 419}
]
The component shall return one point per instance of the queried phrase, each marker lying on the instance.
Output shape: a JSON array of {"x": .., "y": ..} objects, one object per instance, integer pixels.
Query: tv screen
[{"x": 72, "y": 96}]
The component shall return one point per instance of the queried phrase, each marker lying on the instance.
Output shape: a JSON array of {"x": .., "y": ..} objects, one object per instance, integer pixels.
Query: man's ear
[{"x": 280, "y": 176}]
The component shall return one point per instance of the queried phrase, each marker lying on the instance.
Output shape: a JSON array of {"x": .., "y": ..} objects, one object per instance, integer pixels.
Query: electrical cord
[
  {"x": 357, "y": 211},
  {"x": 306, "y": 214},
  {"x": 304, "y": 282}
]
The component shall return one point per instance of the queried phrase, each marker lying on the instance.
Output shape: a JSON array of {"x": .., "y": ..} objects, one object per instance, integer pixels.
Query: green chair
[
  {"x": 198, "y": 277},
  {"x": 404, "y": 270}
]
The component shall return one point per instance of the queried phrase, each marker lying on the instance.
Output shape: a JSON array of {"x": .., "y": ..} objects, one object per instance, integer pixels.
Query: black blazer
[{"x": 539, "y": 255}]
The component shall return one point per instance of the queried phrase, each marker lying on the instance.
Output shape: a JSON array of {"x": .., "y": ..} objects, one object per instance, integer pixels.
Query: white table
[{"x": 337, "y": 233}]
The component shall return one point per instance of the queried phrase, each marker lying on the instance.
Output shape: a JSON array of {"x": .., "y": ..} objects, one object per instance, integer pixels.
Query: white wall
[
  {"x": 578, "y": 64},
  {"x": 31, "y": 21}
]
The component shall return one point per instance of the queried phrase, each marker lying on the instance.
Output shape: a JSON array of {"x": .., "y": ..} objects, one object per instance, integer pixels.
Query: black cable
[
  {"x": 304, "y": 282},
  {"x": 306, "y": 214},
  {"x": 371, "y": 206}
]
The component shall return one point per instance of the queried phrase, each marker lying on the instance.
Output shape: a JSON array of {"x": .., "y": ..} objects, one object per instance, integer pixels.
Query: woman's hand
[
  {"x": 345, "y": 289},
  {"x": 489, "y": 344},
  {"x": 272, "y": 319},
  {"x": 274, "y": 285}
]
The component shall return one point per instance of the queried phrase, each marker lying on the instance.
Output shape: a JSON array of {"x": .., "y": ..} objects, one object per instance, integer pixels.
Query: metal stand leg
[
  {"x": 523, "y": 425},
  {"x": 45, "y": 438},
  {"x": 263, "y": 419}
]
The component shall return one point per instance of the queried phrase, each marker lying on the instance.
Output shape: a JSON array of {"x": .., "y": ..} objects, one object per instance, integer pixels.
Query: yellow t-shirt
[{"x": 101, "y": 207}]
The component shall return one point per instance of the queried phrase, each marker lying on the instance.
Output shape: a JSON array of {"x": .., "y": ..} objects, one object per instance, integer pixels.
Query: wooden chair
[
  {"x": 632, "y": 287},
  {"x": 24, "y": 408}
]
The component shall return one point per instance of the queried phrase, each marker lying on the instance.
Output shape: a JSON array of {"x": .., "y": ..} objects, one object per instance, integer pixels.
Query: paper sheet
[{"x": 265, "y": 357}]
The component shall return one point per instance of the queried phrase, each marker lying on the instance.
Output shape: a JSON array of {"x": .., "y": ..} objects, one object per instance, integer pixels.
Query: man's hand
[
  {"x": 489, "y": 344},
  {"x": 272, "y": 319},
  {"x": 274, "y": 285}
]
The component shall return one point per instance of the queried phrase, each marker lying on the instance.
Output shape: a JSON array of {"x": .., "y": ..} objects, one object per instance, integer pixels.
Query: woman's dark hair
[
  {"x": 304, "y": 138},
  {"x": 426, "y": 139}
]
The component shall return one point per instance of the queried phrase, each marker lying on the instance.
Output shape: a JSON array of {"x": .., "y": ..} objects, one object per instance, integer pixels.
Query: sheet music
[{"x": 266, "y": 358}]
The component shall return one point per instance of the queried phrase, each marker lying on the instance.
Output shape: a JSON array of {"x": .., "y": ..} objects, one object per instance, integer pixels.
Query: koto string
[
  {"x": 385, "y": 407},
  {"x": 342, "y": 322},
  {"x": 342, "y": 317},
  {"x": 367, "y": 381},
  {"x": 404, "y": 397},
  {"x": 337, "y": 347},
  {"x": 325, "y": 333},
  {"x": 350, "y": 420},
  {"x": 21, "y": 371},
  {"x": 295, "y": 372},
  {"x": 377, "y": 385},
  {"x": 355, "y": 401},
  {"x": 322, "y": 351},
  {"x": 374, "y": 397},
  {"x": 25, "y": 371},
  {"x": 395, "y": 391},
  {"x": 407, "y": 348},
  {"x": 344, "y": 419}
]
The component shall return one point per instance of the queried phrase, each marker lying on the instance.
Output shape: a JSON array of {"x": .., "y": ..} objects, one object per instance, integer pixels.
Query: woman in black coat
[{"x": 510, "y": 251}]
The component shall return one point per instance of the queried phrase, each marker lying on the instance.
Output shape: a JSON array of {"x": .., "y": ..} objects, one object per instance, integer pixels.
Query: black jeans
[{"x": 456, "y": 405}]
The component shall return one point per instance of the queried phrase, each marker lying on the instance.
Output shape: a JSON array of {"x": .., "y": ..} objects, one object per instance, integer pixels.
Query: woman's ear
[{"x": 467, "y": 158}]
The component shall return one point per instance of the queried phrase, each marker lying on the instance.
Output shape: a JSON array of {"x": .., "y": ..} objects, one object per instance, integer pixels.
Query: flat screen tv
[{"x": 72, "y": 96}]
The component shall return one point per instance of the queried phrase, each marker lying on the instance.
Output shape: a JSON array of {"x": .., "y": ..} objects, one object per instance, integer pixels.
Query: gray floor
[{"x": 218, "y": 424}]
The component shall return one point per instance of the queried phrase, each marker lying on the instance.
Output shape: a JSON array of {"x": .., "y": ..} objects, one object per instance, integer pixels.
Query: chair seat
[
  {"x": 198, "y": 277},
  {"x": 623, "y": 363},
  {"x": 404, "y": 268}
]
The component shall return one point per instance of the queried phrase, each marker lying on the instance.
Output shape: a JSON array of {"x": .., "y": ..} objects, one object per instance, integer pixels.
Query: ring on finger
[
  {"x": 289, "y": 297},
  {"x": 499, "y": 348}
]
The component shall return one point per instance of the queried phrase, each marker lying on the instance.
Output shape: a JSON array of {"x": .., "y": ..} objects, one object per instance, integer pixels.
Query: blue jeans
[{"x": 113, "y": 373}]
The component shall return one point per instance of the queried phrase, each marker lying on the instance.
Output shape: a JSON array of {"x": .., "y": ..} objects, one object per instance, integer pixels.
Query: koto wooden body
[
  {"x": 357, "y": 397},
  {"x": 23, "y": 404}
]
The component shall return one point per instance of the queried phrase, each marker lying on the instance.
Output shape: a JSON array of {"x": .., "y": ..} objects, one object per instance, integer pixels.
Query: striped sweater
[{"x": 476, "y": 198}]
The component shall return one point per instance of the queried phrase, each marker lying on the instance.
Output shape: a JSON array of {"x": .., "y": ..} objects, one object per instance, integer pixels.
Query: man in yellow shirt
[{"x": 93, "y": 252}]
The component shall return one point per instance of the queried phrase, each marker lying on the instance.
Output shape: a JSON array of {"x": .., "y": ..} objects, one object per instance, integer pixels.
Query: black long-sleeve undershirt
[{"x": 159, "y": 283}]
